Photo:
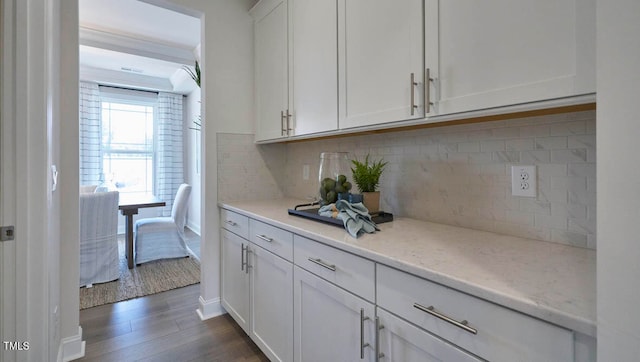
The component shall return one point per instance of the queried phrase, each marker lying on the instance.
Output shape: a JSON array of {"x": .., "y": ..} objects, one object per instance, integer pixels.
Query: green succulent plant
[{"x": 367, "y": 175}]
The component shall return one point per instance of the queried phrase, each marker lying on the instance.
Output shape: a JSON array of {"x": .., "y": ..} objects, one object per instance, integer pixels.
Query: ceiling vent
[{"x": 132, "y": 70}]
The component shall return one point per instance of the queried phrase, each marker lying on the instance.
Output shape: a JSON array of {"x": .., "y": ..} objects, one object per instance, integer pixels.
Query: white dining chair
[
  {"x": 163, "y": 237},
  {"x": 99, "y": 260}
]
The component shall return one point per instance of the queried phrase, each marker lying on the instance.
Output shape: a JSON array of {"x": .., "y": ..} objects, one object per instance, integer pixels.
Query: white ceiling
[{"x": 133, "y": 43}]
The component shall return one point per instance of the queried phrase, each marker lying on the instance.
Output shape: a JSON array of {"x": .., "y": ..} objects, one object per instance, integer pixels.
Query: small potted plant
[{"x": 367, "y": 176}]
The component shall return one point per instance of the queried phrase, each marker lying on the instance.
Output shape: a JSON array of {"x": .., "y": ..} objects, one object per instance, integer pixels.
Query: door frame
[{"x": 7, "y": 181}]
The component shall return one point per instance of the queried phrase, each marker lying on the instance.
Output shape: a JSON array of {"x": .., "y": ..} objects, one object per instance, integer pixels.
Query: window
[{"x": 128, "y": 143}]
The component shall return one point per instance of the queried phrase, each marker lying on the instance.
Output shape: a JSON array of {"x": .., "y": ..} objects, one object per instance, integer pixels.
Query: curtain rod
[
  {"x": 125, "y": 88},
  {"x": 134, "y": 89}
]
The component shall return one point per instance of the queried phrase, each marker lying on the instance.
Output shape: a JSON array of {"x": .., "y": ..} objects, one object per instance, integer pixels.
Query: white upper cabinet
[
  {"x": 505, "y": 52},
  {"x": 380, "y": 47},
  {"x": 271, "y": 70},
  {"x": 314, "y": 66}
]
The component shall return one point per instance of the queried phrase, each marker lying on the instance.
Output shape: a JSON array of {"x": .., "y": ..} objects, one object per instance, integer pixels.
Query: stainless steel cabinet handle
[
  {"x": 242, "y": 263},
  {"x": 262, "y": 237},
  {"x": 283, "y": 131},
  {"x": 427, "y": 91},
  {"x": 323, "y": 264},
  {"x": 289, "y": 129},
  {"x": 232, "y": 223},
  {"x": 247, "y": 266},
  {"x": 362, "y": 344},
  {"x": 379, "y": 326},
  {"x": 431, "y": 310},
  {"x": 413, "y": 91}
]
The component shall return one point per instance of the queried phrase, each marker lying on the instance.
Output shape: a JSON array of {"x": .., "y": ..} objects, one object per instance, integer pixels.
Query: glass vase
[{"x": 334, "y": 177}]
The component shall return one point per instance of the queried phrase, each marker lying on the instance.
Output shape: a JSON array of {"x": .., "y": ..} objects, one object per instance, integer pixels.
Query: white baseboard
[
  {"x": 195, "y": 228},
  {"x": 71, "y": 348},
  {"x": 209, "y": 308}
]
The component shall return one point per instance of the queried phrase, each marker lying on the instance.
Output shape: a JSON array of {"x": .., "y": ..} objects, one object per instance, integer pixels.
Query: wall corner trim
[
  {"x": 72, "y": 347},
  {"x": 209, "y": 308}
]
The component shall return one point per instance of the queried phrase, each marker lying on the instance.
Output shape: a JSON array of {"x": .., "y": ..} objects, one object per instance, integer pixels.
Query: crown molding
[
  {"x": 144, "y": 48},
  {"x": 124, "y": 79}
]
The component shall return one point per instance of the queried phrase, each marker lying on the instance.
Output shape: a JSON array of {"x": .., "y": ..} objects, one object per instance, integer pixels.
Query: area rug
[{"x": 148, "y": 278}]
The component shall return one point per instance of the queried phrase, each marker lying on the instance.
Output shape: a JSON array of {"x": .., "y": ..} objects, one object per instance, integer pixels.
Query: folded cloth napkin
[{"x": 355, "y": 217}]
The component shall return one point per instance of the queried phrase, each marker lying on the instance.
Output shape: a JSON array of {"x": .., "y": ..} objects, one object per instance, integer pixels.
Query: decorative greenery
[
  {"x": 367, "y": 175},
  {"x": 194, "y": 75},
  {"x": 197, "y": 126}
]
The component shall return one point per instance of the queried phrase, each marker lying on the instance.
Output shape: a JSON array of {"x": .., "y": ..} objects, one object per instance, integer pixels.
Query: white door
[
  {"x": 235, "y": 277},
  {"x": 504, "y": 52},
  {"x": 271, "y": 304},
  {"x": 381, "y": 46},
  {"x": 401, "y": 341},
  {"x": 327, "y": 322},
  {"x": 271, "y": 70},
  {"x": 314, "y": 53}
]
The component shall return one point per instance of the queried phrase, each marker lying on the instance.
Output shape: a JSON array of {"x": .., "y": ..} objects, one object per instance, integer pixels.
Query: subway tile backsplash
[{"x": 457, "y": 175}]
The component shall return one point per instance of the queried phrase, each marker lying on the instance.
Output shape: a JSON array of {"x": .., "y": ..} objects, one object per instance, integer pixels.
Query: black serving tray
[{"x": 378, "y": 218}]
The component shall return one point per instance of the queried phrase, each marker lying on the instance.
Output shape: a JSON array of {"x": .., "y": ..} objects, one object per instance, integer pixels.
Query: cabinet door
[
  {"x": 403, "y": 342},
  {"x": 328, "y": 322},
  {"x": 235, "y": 280},
  {"x": 505, "y": 52},
  {"x": 381, "y": 44},
  {"x": 271, "y": 304},
  {"x": 314, "y": 65},
  {"x": 271, "y": 67}
]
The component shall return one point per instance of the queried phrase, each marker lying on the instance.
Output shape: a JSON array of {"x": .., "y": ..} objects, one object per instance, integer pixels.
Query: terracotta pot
[{"x": 371, "y": 201}]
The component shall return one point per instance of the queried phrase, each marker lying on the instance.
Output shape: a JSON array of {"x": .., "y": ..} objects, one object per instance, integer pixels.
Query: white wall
[
  {"x": 70, "y": 333},
  {"x": 618, "y": 130},
  {"x": 227, "y": 105}
]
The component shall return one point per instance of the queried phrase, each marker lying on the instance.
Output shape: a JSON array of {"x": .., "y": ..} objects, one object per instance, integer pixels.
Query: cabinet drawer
[
  {"x": 348, "y": 271},
  {"x": 234, "y": 222},
  {"x": 276, "y": 240},
  {"x": 501, "y": 334}
]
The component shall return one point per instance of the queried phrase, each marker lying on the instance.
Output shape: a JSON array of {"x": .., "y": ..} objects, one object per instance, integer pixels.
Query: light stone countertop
[{"x": 550, "y": 281}]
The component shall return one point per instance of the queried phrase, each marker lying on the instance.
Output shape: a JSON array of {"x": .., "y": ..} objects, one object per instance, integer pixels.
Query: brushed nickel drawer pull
[
  {"x": 262, "y": 237},
  {"x": 288, "y": 116},
  {"x": 323, "y": 264},
  {"x": 242, "y": 262},
  {"x": 413, "y": 90},
  {"x": 362, "y": 344},
  {"x": 431, "y": 310},
  {"x": 232, "y": 223},
  {"x": 284, "y": 128},
  {"x": 379, "y": 327},
  {"x": 427, "y": 91}
]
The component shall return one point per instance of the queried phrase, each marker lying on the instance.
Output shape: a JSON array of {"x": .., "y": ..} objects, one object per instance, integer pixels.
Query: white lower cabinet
[
  {"x": 401, "y": 341},
  {"x": 302, "y": 300},
  {"x": 485, "y": 329},
  {"x": 235, "y": 279},
  {"x": 331, "y": 324},
  {"x": 257, "y": 287},
  {"x": 271, "y": 304}
]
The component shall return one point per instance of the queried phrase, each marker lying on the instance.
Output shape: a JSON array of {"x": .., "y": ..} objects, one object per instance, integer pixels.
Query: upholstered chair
[
  {"x": 99, "y": 260},
  {"x": 163, "y": 237}
]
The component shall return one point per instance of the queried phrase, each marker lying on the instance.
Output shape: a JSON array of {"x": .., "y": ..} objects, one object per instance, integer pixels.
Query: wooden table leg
[{"x": 129, "y": 234}]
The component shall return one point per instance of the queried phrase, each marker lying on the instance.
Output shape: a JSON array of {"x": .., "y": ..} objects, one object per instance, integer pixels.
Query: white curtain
[
  {"x": 169, "y": 163},
  {"x": 90, "y": 134}
]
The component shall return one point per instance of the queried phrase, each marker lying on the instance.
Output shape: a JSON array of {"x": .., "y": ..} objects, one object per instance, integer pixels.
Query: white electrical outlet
[
  {"x": 524, "y": 181},
  {"x": 305, "y": 172}
]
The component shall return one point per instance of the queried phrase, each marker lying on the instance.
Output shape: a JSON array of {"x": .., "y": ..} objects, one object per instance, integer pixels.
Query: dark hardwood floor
[{"x": 163, "y": 327}]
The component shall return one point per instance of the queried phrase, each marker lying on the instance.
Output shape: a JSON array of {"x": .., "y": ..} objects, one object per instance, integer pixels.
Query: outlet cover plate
[{"x": 524, "y": 181}]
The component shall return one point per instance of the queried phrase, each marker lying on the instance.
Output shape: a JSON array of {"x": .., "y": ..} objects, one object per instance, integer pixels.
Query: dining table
[{"x": 129, "y": 205}]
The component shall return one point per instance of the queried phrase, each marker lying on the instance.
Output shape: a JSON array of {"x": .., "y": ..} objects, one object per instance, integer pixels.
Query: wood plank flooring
[{"x": 163, "y": 327}]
